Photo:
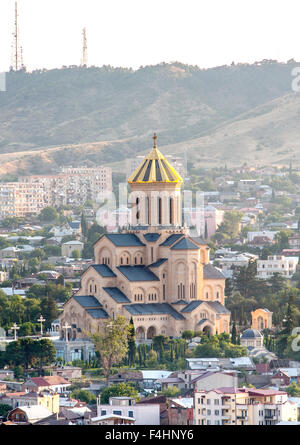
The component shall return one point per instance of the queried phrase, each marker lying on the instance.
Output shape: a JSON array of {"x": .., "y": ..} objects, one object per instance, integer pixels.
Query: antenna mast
[
  {"x": 17, "y": 50},
  {"x": 84, "y": 59}
]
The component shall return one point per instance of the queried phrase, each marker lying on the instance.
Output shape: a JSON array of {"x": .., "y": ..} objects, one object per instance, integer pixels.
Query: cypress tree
[
  {"x": 131, "y": 344},
  {"x": 233, "y": 334}
]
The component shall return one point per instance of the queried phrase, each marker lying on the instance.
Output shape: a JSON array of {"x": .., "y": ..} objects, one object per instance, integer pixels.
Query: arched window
[
  {"x": 159, "y": 211},
  {"x": 137, "y": 209},
  {"x": 171, "y": 209}
]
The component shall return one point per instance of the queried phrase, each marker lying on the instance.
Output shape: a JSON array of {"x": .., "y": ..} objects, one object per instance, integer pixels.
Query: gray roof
[
  {"x": 151, "y": 237},
  {"x": 153, "y": 308},
  {"x": 103, "y": 270},
  {"x": 184, "y": 244},
  {"x": 218, "y": 307},
  {"x": 97, "y": 313},
  {"x": 192, "y": 306},
  {"x": 251, "y": 333},
  {"x": 171, "y": 239},
  {"x": 180, "y": 302},
  {"x": 137, "y": 273},
  {"x": 124, "y": 239},
  {"x": 203, "y": 320},
  {"x": 158, "y": 263},
  {"x": 116, "y": 294},
  {"x": 87, "y": 301},
  {"x": 211, "y": 272}
]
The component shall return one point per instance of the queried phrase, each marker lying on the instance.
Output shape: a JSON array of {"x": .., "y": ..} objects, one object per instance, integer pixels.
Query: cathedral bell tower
[{"x": 155, "y": 192}]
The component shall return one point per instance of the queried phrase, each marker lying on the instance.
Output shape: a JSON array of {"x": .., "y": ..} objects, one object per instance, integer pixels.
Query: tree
[
  {"x": 75, "y": 254},
  {"x": 171, "y": 392},
  {"x": 187, "y": 335},
  {"x": 84, "y": 225},
  {"x": 48, "y": 214},
  {"x": 233, "y": 334},
  {"x": 84, "y": 396},
  {"x": 293, "y": 390},
  {"x": 111, "y": 343},
  {"x": 119, "y": 390},
  {"x": 4, "y": 410},
  {"x": 131, "y": 344}
]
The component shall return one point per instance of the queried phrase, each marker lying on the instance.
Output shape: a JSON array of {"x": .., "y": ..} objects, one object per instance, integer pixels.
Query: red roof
[{"x": 49, "y": 381}]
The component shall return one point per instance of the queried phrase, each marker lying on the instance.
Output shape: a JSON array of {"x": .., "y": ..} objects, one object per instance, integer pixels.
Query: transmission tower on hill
[
  {"x": 84, "y": 59},
  {"x": 17, "y": 63}
]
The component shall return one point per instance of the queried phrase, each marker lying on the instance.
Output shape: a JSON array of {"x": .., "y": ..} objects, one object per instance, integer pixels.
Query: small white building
[
  {"x": 144, "y": 413},
  {"x": 277, "y": 264},
  {"x": 69, "y": 247}
]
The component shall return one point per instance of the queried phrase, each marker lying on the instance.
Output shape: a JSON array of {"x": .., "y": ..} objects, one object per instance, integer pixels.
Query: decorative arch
[
  {"x": 140, "y": 333},
  {"x": 180, "y": 278},
  {"x": 138, "y": 295},
  {"x": 125, "y": 258},
  {"x": 104, "y": 256},
  {"x": 207, "y": 292},
  {"x": 153, "y": 295},
  {"x": 151, "y": 332},
  {"x": 138, "y": 258}
]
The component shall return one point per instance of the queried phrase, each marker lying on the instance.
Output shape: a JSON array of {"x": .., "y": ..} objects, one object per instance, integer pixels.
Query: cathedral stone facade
[{"x": 153, "y": 271}]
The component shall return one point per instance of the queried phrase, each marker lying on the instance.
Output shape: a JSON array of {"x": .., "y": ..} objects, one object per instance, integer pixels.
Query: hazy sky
[{"x": 141, "y": 32}]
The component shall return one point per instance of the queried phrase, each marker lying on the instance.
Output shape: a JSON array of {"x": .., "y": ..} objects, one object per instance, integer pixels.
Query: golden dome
[{"x": 155, "y": 168}]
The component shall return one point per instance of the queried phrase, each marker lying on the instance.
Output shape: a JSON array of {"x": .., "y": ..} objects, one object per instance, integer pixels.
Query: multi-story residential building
[
  {"x": 294, "y": 241},
  {"x": 277, "y": 264},
  {"x": 72, "y": 185},
  {"x": 20, "y": 199},
  {"x": 242, "y": 406}
]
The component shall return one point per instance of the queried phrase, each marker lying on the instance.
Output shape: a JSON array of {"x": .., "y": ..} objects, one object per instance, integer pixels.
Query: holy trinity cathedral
[{"x": 153, "y": 271}]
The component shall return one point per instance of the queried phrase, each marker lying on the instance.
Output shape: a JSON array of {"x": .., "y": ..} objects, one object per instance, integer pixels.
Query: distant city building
[
  {"x": 243, "y": 406},
  {"x": 261, "y": 319},
  {"x": 277, "y": 264}
]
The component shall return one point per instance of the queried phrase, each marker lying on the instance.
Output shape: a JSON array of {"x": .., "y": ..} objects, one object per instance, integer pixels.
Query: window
[
  {"x": 216, "y": 401},
  {"x": 130, "y": 413},
  {"x": 118, "y": 413},
  {"x": 103, "y": 412}
]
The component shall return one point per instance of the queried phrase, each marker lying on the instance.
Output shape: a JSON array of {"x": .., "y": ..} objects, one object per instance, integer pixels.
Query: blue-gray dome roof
[{"x": 251, "y": 333}]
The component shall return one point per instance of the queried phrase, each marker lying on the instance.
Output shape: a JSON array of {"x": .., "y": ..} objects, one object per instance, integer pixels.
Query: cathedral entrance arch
[
  {"x": 140, "y": 333},
  {"x": 151, "y": 332},
  {"x": 207, "y": 330}
]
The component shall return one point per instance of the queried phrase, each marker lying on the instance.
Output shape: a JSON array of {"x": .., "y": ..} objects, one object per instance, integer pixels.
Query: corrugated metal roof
[
  {"x": 153, "y": 308},
  {"x": 137, "y": 273},
  {"x": 124, "y": 239},
  {"x": 116, "y": 294}
]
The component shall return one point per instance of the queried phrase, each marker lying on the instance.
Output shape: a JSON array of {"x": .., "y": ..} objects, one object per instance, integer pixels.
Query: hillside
[{"x": 241, "y": 113}]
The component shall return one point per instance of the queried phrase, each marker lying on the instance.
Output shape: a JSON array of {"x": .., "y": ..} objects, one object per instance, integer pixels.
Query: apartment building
[
  {"x": 277, "y": 264},
  {"x": 73, "y": 186},
  {"x": 21, "y": 199},
  {"x": 242, "y": 406}
]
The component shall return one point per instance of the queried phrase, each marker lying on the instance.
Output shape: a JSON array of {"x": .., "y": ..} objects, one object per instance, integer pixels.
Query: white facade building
[
  {"x": 277, "y": 264},
  {"x": 144, "y": 414}
]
